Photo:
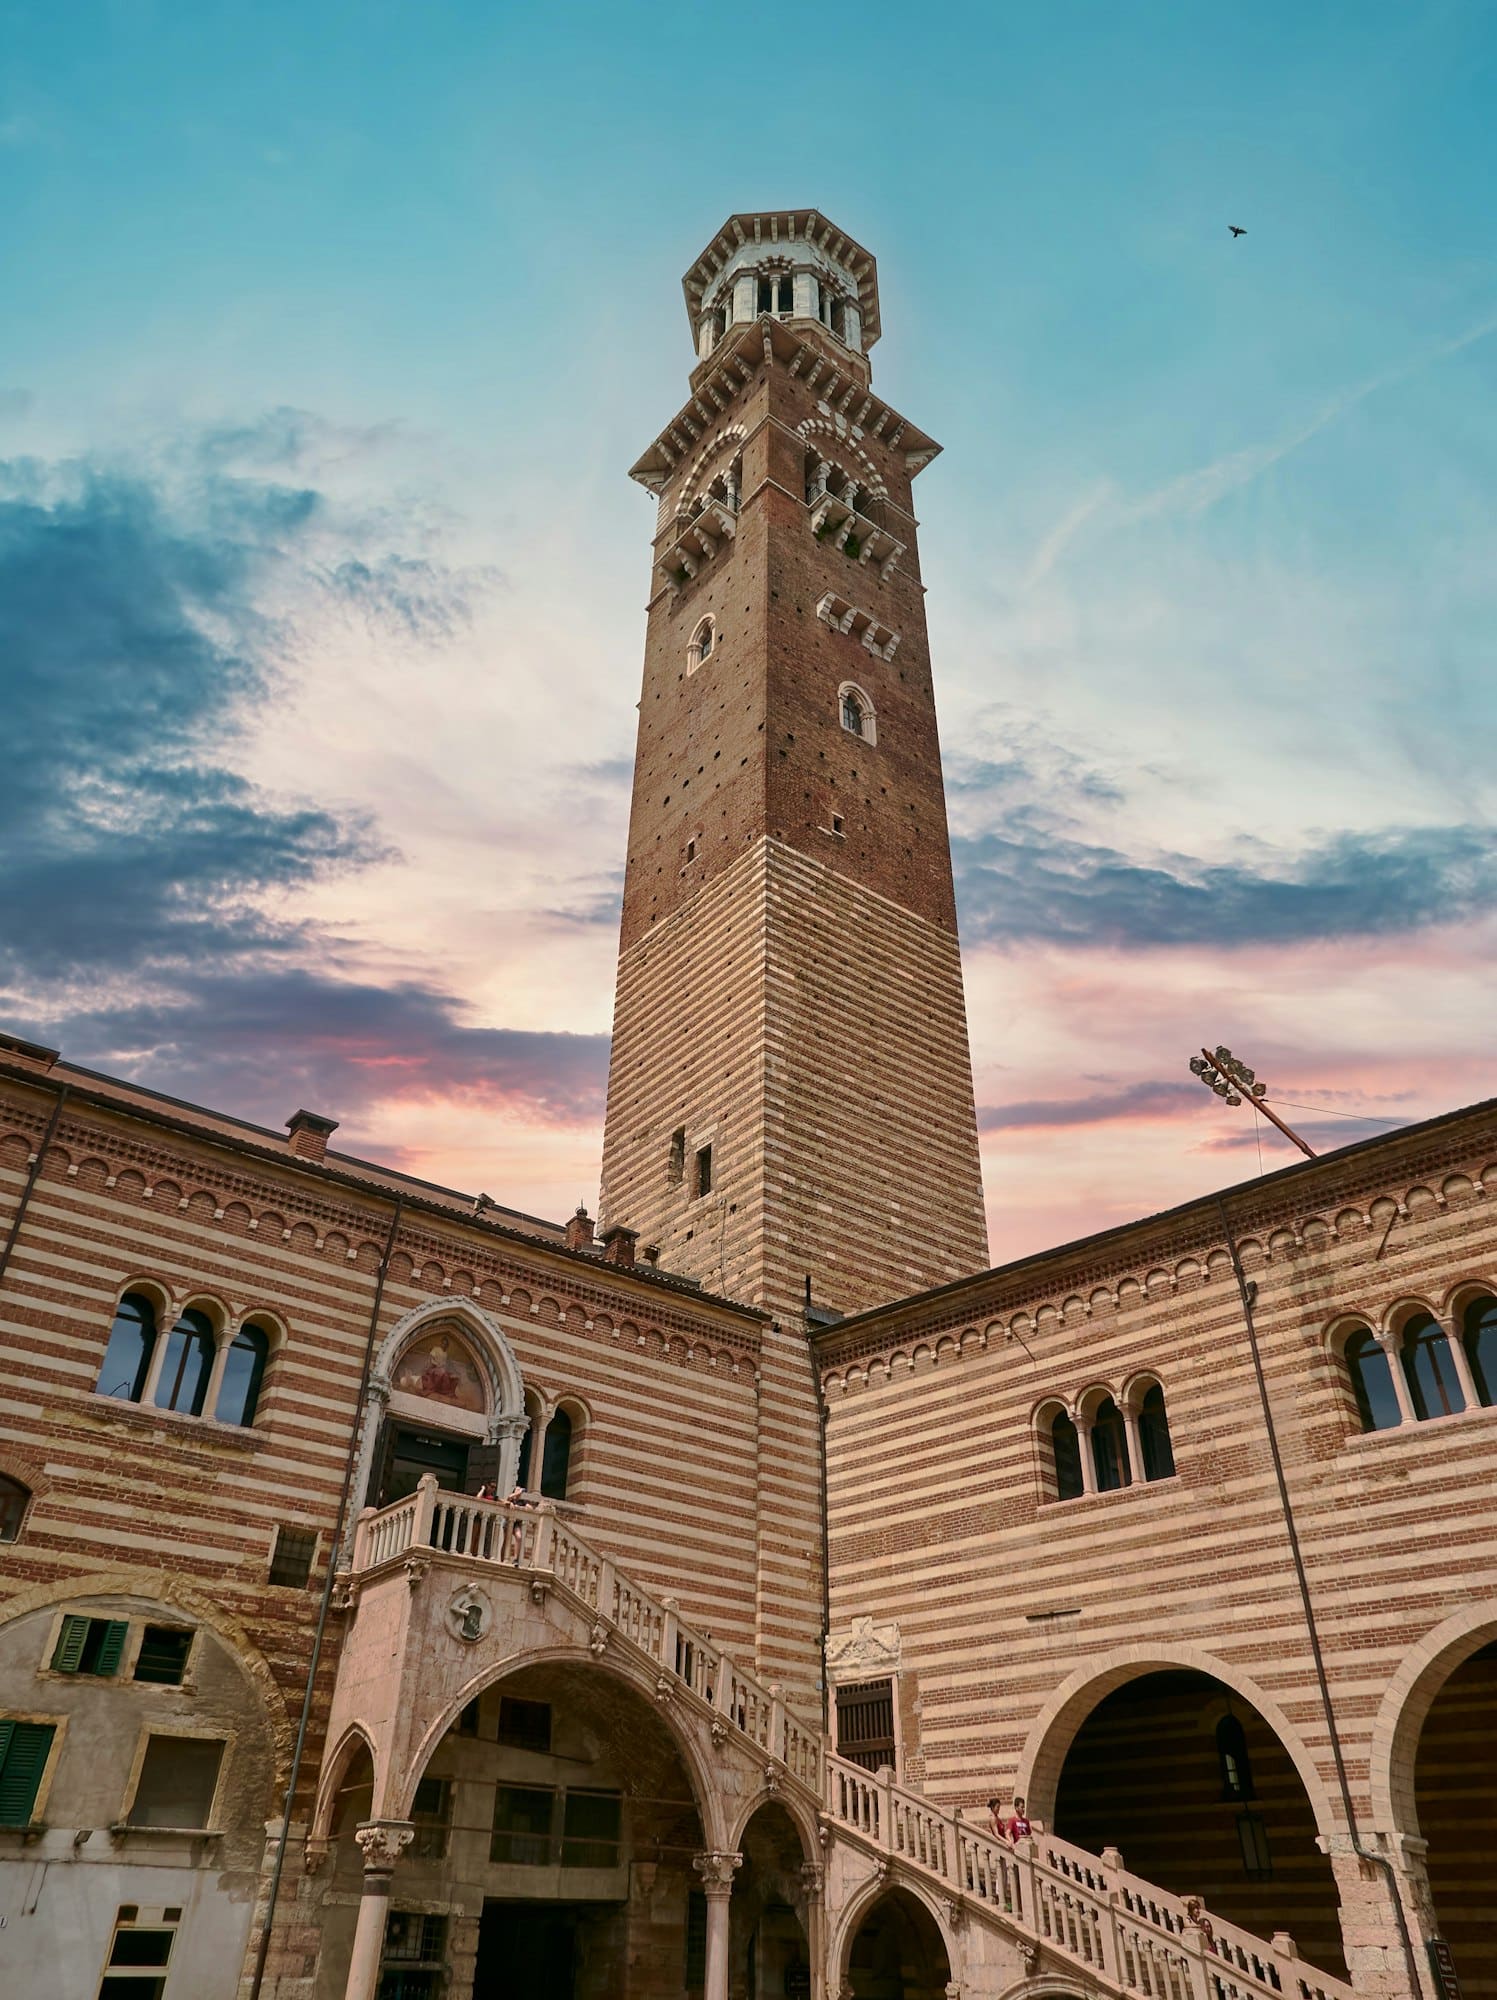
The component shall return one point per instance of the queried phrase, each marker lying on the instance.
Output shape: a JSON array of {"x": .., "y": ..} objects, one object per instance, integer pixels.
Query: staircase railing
[
  {"x": 1132, "y": 1935},
  {"x": 1129, "y": 1932},
  {"x": 536, "y": 1538}
]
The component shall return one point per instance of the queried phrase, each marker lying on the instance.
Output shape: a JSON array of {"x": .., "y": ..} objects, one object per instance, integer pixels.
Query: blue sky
[{"x": 329, "y": 334}]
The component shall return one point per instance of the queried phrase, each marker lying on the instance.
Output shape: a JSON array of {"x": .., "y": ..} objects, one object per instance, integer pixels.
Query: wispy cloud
[{"x": 1133, "y": 1101}]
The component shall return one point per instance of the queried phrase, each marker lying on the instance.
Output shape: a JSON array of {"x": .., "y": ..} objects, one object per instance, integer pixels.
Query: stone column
[
  {"x": 1370, "y": 1933},
  {"x": 717, "y": 1871},
  {"x": 507, "y": 1433},
  {"x": 383, "y": 1841},
  {"x": 705, "y": 330},
  {"x": 1391, "y": 1345},
  {"x": 1461, "y": 1361},
  {"x": 745, "y": 297},
  {"x": 804, "y": 283},
  {"x": 1135, "y": 1447},
  {"x": 1088, "y": 1463},
  {"x": 852, "y": 327},
  {"x": 811, "y": 1879}
]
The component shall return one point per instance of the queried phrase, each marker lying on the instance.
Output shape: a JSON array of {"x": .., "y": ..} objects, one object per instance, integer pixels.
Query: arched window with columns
[
  {"x": 1109, "y": 1447},
  {"x": 1429, "y": 1368},
  {"x": 1371, "y": 1376},
  {"x": 182, "y": 1381},
  {"x": 1065, "y": 1448},
  {"x": 1155, "y": 1448},
  {"x": 132, "y": 1343},
  {"x": 1479, "y": 1339}
]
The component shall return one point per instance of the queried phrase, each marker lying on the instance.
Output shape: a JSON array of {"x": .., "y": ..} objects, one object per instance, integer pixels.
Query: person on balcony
[{"x": 1018, "y": 1827}]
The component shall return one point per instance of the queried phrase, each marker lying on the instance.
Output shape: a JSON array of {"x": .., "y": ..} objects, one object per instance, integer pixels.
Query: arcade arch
[
  {"x": 894, "y": 1949},
  {"x": 1434, "y": 1778},
  {"x": 1202, "y": 1787}
]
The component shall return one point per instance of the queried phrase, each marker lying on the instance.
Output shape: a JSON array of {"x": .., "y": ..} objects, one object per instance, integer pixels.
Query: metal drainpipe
[
  {"x": 327, "y": 1597},
  {"x": 1248, "y": 1293},
  {"x": 823, "y": 1415},
  {"x": 31, "y": 1180}
]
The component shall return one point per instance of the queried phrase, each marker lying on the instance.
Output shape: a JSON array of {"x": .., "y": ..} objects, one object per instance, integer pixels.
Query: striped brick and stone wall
[{"x": 1017, "y": 1613}]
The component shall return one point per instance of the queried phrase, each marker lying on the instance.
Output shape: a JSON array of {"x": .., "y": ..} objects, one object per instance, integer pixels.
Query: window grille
[
  {"x": 295, "y": 1552},
  {"x": 162, "y": 1658},
  {"x": 865, "y": 1723}
]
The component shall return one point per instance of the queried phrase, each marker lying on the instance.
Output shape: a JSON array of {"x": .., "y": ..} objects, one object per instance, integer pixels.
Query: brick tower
[{"x": 790, "y": 1093}]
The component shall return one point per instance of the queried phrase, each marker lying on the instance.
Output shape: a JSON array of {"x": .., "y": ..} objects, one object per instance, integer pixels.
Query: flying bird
[{"x": 1235, "y": 230}]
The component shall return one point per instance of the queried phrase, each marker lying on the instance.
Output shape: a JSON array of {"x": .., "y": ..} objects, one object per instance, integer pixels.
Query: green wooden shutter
[
  {"x": 112, "y": 1646},
  {"x": 70, "y": 1642},
  {"x": 24, "y": 1748}
]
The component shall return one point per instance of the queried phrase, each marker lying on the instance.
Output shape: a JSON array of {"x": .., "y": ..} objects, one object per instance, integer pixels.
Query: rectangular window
[
  {"x": 525, "y": 1725},
  {"x": 696, "y": 1940},
  {"x": 162, "y": 1658},
  {"x": 90, "y": 1646},
  {"x": 24, "y": 1750},
  {"x": 522, "y": 1825},
  {"x": 592, "y": 1827},
  {"x": 865, "y": 1723},
  {"x": 704, "y": 1170},
  {"x": 139, "y": 1954},
  {"x": 431, "y": 1814},
  {"x": 415, "y": 1956},
  {"x": 295, "y": 1552},
  {"x": 178, "y": 1779}
]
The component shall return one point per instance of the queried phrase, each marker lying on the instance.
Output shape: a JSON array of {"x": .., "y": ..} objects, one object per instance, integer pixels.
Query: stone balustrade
[
  {"x": 1133, "y": 1937},
  {"x": 535, "y": 1539}
]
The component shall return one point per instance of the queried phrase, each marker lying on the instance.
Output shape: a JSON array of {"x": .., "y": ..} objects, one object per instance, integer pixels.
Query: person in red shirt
[{"x": 1018, "y": 1827}]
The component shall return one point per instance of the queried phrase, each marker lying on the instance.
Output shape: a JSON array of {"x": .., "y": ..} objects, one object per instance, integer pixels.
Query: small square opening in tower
[
  {"x": 704, "y": 1170},
  {"x": 836, "y": 822}
]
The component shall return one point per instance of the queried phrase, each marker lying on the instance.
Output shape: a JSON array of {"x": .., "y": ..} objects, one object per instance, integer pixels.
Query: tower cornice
[{"x": 806, "y": 352}]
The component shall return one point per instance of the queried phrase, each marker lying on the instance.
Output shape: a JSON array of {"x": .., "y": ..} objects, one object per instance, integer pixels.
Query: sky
[{"x": 327, "y": 335}]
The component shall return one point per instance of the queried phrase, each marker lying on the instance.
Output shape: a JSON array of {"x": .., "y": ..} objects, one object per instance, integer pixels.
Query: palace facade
[{"x": 404, "y": 1596}]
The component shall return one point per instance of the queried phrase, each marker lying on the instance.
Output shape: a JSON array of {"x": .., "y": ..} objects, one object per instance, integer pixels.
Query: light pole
[{"x": 1232, "y": 1081}]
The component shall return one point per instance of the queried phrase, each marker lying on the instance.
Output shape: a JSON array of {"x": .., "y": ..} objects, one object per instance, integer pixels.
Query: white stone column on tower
[
  {"x": 383, "y": 1841},
  {"x": 852, "y": 327},
  {"x": 805, "y": 299},
  {"x": 745, "y": 297},
  {"x": 706, "y": 327},
  {"x": 717, "y": 1871}
]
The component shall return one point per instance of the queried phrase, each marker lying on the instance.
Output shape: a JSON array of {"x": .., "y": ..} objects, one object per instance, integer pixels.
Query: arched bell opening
[
  {"x": 897, "y": 1952},
  {"x": 556, "y": 1827},
  {"x": 1190, "y": 1782},
  {"x": 1455, "y": 1792},
  {"x": 770, "y": 1921}
]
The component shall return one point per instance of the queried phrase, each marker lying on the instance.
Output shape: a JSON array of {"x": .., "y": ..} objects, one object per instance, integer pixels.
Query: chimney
[
  {"x": 309, "y": 1134},
  {"x": 580, "y": 1229},
  {"x": 618, "y": 1246},
  {"x": 32, "y": 1054}
]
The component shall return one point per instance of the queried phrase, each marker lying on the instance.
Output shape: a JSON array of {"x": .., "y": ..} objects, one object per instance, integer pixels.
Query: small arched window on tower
[
  {"x": 1371, "y": 1382},
  {"x": 702, "y": 641},
  {"x": 1065, "y": 1445},
  {"x": 855, "y": 711}
]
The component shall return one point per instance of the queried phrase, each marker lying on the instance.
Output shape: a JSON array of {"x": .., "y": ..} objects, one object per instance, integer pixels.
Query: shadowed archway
[
  {"x": 897, "y": 1952},
  {"x": 1189, "y": 1781}
]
